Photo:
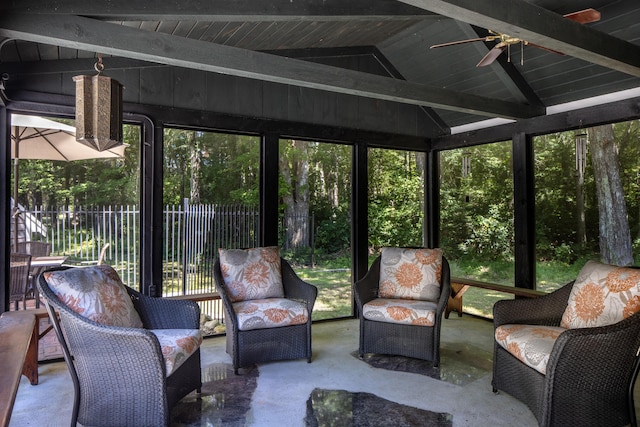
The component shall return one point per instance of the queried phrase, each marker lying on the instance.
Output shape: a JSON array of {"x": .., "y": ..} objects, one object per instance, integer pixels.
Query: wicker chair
[
  {"x": 19, "y": 278},
  {"x": 416, "y": 341},
  {"x": 118, "y": 373},
  {"x": 247, "y": 347},
  {"x": 590, "y": 373}
]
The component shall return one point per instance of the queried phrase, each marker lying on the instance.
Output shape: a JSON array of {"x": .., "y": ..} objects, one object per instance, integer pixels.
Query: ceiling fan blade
[
  {"x": 491, "y": 56},
  {"x": 544, "y": 48},
  {"x": 584, "y": 16},
  {"x": 482, "y": 39}
]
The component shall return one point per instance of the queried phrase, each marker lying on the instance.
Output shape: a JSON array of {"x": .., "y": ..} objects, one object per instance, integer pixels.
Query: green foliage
[
  {"x": 395, "y": 198},
  {"x": 477, "y": 209}
]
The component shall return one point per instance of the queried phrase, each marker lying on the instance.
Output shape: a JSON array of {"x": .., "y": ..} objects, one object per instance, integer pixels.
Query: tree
[
  {"x": 615, "y": 236},
  {"x": 294, "y": 171}
]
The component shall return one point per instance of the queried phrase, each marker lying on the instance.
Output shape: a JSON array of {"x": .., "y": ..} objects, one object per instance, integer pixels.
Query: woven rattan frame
[
  {"x": 263, "y": 345},
  {"x": 119, "y": 373},
  {"x": 590, "y": 374},
  {"x": 420, "y": 342}
]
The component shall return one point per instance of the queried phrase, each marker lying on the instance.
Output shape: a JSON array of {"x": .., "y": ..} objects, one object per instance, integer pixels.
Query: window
[
  {"x": 476, "y": 202},
  {"x": 315, "y": 225},
  {"x": 210, "y": 192},
  {"x": 568, "y": 224},
  {"x": 396, "y": 199}
]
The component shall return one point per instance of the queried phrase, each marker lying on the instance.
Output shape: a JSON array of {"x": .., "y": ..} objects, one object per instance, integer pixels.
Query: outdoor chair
[
  {"x": 571, "y": 355},
  {"x": 267, "y": 306},
  {"x": 401, "y": 301},
  {"x": 131, "y": 357},
  {"x": 20, "y": 264},
  {"x": 35, "y": 249}
]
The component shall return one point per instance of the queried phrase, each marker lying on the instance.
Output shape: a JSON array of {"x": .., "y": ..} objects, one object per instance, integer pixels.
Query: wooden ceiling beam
[
  {"x": 107, "y": 38},
  {"x": 224, "y": 10},
  {"x": 535, "y": 24}
]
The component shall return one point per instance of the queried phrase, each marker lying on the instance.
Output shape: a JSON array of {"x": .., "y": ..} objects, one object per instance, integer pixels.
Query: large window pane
[
  {"x": 396, "y": 199},
  {"x": 568, "y": 224},
  {"x": 315, "y": 226},
  {"x": 210, "y": 193},
  {"x": 476, "y": 202},
  {"x": 79, "y": 206}
]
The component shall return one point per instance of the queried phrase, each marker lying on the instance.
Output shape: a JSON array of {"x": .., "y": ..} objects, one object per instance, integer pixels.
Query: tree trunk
[
  {"x": 615, "y": 236},
  {"x": 294, "y": 168},
  {"x": 195, "y": 160}
]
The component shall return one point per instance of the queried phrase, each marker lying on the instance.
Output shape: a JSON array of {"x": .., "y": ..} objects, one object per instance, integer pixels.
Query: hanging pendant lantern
[{"x": 98, "y": 110}]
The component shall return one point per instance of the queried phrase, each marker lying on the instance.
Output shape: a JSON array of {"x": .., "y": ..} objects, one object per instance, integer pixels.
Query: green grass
[{"x": 334, "y": 290}]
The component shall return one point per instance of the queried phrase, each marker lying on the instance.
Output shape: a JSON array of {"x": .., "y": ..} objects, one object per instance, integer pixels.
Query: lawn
[{"x": 334, "y": 284}]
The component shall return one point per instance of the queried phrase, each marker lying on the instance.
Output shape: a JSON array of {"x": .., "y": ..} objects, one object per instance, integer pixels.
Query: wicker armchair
[
  {"x": 247, "y": 347},
  {"x": 409, "y": 340},
  {"x": 119, "y": 375},
  {"x": 590, "y": 373}
]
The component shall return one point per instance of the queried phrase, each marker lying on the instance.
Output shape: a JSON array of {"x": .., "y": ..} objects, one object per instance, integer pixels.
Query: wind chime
[
  {"x": 98, "y": 110},
  {"x": 466, "y": 170},
  {"x": 581, "y": 153}
]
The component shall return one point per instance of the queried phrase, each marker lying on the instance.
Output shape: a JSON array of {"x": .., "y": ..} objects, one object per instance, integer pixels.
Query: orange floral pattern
[
  {"x": 531, "y": 344},
  {"x": 405, "y": 311},
  {"x": 96, "y": 293},
  {"x": 602, "y": 295},
  {"x": 410, "y": 273},
  {"x": 177, "y": 345},
  {"x": 251, "y": 274},
  {"x": 270, "y": 313}
]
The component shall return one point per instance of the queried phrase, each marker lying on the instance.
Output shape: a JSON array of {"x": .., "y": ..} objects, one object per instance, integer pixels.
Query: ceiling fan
[{"x": 505, "y": 41}]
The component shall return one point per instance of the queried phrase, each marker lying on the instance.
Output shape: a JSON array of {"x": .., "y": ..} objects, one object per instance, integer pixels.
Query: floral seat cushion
[
  {"x": 251, "y": 274},
  {"x": 408, "y": 273},
  {"x": 531, "y": 344},
  {"x": 270, "y": 313},
  {"x": 95, "y": 292},
  {"x": 395, "y": 310},
  {"x": 602, "y": 295},
  {"x": 177, "y": 345}
]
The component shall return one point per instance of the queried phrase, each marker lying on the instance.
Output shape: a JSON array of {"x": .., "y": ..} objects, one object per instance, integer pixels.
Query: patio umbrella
[{"x": 38, "y": 138}]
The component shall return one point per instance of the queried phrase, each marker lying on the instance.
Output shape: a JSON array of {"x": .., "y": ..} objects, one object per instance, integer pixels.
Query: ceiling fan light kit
[{"x": 505, "y": 41}]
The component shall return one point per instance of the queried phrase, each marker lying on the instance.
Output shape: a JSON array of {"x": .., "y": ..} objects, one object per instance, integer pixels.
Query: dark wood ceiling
[{"x": 270, "y": 41}]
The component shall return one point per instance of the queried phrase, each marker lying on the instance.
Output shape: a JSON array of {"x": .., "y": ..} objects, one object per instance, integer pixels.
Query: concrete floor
[{"x": 462, "y": 391}]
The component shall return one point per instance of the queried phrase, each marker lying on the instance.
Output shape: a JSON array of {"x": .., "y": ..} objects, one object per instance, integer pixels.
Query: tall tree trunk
[
  {"x": 195, "y": 160},
  {"x": 294, "y": 169},
  {"x": 581, "y": 237},
  {"x": 615, "y": 236}
]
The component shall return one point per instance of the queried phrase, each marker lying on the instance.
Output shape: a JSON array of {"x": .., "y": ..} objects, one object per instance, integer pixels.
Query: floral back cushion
[
  {"x": 252, "y": 273},
  {"x": 96, "y": 293},
  {"x": 410, "y": 273},
  {"x": 602, "y": 295}
]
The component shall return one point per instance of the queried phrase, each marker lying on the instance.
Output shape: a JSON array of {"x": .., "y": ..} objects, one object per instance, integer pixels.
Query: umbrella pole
[{"x": 16, "y": 209}]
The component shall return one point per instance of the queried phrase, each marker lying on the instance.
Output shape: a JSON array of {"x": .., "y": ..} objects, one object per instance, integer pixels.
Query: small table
[{"x": 18, "y": 342}]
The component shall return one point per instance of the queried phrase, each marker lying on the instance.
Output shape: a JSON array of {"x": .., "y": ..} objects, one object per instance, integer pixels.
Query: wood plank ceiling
[{"x": 262, "y": 40}]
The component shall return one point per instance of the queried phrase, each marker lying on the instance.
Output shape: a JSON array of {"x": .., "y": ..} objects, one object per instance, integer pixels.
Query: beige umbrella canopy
[{"x": 38, "y": 138}]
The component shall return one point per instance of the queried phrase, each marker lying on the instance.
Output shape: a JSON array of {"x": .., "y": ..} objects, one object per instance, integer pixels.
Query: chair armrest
[
  {"x": 136, "y": 351},
  {"x": 162, "y": 313},
  {"x": 366, "y": 289},
  {"x": 230, "y": 314},
  {"x": 445, "y": 286},
  {"x": 296, "y": 288},
  {"x": 545, "y": 310},
  {"x": 601, "y": 359}
]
